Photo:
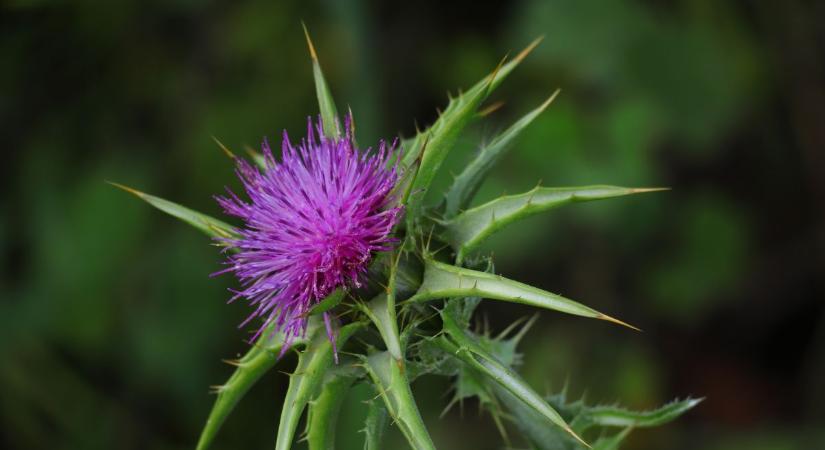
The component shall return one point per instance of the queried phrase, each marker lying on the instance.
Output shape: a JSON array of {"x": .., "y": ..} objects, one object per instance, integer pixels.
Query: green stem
[
  {"x": 376, "y": 424},
  {"x": 381, "y": 312},
  {"x": 250, "y": 368},
  {"x": 389, "y": 372},
  {"x": 313, "y": 365},
  {"x": 390, "y": 378},
  {"x": 325, "y": 409}
]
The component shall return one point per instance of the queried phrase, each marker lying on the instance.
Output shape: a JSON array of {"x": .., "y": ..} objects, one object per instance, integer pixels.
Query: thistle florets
[{"x": 313, "y": 221}]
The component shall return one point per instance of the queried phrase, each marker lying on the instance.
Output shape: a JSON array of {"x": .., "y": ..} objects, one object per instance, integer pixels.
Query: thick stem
[
  {"x": 388, "y": 369},
  {"x": 376, "y": 423},
  {"x": 381, "y": 310},
  {"x": 391, "y": 381}
]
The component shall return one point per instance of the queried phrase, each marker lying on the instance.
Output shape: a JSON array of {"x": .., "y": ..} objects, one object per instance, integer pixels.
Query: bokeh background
[{"x": 111, "y": 330}]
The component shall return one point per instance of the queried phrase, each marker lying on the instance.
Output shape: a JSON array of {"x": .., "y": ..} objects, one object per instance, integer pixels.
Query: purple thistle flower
[{"x": 312, "y": 225}]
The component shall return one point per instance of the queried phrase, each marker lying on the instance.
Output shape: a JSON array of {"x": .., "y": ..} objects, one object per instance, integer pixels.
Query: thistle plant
[{"x": 343, "y": 262}]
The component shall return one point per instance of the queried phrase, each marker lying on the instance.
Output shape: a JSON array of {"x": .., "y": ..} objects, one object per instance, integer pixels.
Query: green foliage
[
  {"x": 467, "y": 230},
  {"x": 503, "y": 398},
  {"x": 330, "y": 301},
  {"x": 432, "y": 145},
  {"x": 439, "y": 140},
  {"x": 444, "y": 281},
  {"x": 255, "y": 363},
  {"x": 414, "y": 146},
  {"x": 408, "y": 330},
  {"x": 326, "y": 104},
  {"x": 614, "y": 416},
  {"x": 389, "y": 377},
  {"x": 375, "y": 424},
  {"x": 209, "y": 225},
  {"x": 584, "y": 418},
  {"x": 325, "y": 409},
  {"x": 466, "y": 184},
  {"x": 464, "y": 347},
  {"x": 313, "y": 365}
]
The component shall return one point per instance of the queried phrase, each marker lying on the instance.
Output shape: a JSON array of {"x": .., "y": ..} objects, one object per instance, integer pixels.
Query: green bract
[{"x": 413, "y": 318}]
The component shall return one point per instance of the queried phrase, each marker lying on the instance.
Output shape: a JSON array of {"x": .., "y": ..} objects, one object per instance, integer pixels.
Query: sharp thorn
[
  {"x": 126, "y": 188},
  {"x": 616, "y": 321},
  {"x": 312, "y": 53},
  {"x": 523, "y": 54},
  {"x": 224, "y": 148}
]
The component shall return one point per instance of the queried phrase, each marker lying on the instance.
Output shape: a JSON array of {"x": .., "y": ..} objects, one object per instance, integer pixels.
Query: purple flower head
[{"x": 313, "y": 223}]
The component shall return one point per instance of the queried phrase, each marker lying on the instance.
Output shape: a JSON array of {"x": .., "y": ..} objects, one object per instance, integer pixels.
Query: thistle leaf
[
  {"x": 326, "y": 104},
  {"x": 414, "y": 145},
  {"x": 389, "y": 376},
  {"x": 325, "y": 409},
  {"x": 441, "y": 136},
  {"x": 466, "y": 184},
  {"x": 375, "y": 425},
  {"x": 445, "y": 281},
  {"x": 209, "y": 225},
  {"x": 532, "y": 425},
  {"x": 468, "y": 229},
  {"x": 439, "y": 142},
  {"x": 613, "y": 416},
  {"x": 258, "y": 360},
  {"x": 464, "y": 347},
  {"x": 313, "y": 364},
  {"x": 583, "y": 417}
]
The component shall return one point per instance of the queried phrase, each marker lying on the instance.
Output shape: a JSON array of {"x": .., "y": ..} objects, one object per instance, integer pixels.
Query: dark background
[{"x": 111, "y": 331}]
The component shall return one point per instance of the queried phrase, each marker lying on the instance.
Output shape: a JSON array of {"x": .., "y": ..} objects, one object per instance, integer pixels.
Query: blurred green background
[{"x": 111, "y": 330}]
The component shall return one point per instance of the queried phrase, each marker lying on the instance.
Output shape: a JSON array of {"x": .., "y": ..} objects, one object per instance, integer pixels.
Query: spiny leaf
[
  {"x": 313, "y": 364},
  {"x": 469, "y": 382},
  {"x": 462, "y": 308},
  {"x": 441, "y": 136},
  {"x": 613, "y": 416},
  {"x": 413, "y": 145},
  {"x": 445, "y": 281},
  {"x": 583, "y": 417},
  {"x": 389, "y": 376},
  {"x": 468, "y": 229},
  {"x": 440, "y": 141},
  {"x": 258, "y": 360},
  {"x": 532, "y": 425},
  {"x": 375, "y": 425},
  {"x": 467, "y": 349},
  {"x": 325, "y": 409},
  {"x": 329, "y": 113},
  {"x": 466, "y": 184},
  {"x": 209, "y": 225}
]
